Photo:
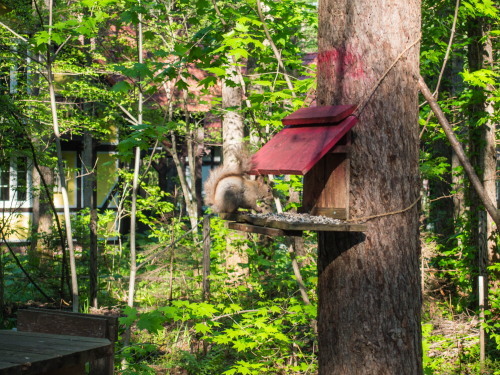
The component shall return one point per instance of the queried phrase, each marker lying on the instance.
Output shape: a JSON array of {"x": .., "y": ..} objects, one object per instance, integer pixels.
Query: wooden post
[
  {"x": 207, "y": 242},
  {"x": 482, "y": 341}
]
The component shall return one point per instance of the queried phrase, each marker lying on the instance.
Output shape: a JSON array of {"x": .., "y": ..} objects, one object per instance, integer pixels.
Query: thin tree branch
[
  {"x": 62, "y": 45},
  {"x": 457, "y": 147},
  {"x": 298, "y": 275},
  {"x": 132, "y": 120},
  {"x": 13, "y": 32},
  {"x": 274, "y": 48},
  {"x": 16, "y": 259},
  {"x": 448, "y": 49},
  {"x": 445, "y": 61},
  {"x": 367, "y": 98},
  {"x": 363, "y": 219},
  {"x": 157, "y": 254}
]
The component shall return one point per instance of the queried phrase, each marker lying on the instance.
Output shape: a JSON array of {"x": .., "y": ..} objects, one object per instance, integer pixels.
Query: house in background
[
  {"x": 19, "y": 205},
  {"x": 18, "y": 190},
  {"x": 17, "y": 193}
]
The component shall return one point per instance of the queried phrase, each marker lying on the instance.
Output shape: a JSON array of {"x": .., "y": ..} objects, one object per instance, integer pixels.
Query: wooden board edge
[
  {"x": 287, "y": 226},
  {"x": 301, "y": 119},
  {"x": 249, "y": 228}
]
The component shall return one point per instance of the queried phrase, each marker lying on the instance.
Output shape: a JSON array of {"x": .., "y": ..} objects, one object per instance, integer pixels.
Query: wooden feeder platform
[
  {"x": 314, "y": 143},
  {"x": 287, "y": 224}
]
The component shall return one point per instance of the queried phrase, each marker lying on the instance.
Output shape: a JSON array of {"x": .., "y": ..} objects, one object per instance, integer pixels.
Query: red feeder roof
[
  {"x": 296, "y": 149},
  {"x": 329, "y": 114}
]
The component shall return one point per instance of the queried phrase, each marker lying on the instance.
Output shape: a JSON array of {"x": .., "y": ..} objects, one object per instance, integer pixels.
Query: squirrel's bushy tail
[{"x": 243, "y": 166}]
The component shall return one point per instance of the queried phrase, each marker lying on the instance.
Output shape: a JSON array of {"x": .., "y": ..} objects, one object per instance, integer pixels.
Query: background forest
[{"x": 138, "y": 90}]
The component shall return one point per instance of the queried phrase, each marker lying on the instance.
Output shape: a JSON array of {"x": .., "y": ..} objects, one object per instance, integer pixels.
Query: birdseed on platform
[{"x": 296, "y": 218}]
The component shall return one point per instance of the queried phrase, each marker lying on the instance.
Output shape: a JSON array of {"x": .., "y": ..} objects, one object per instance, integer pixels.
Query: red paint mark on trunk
[{"x": 340, "y": 62}]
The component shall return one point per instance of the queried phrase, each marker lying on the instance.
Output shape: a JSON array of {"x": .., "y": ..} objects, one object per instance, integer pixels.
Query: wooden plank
[
  {"x": 53, "y": 322},
  {"x": 67, "y": 323},
  {"x": 295, "y": 150},
  {"x": 334, "y": 213},
  {"x": 319, "y": 115},
  {"x": 263, "y": 230},
  {"x": 39, "y": 353},
  {"x": 255, "y": 229},
  {"x": 73, "y": 324},
  {"x": 293, "y": 226},
  {"x": 112, "y": 329},
  {"x": 48, "y": 344},
  {"x": 342, "y": 227},
  {"x": 326, "y": 187}
]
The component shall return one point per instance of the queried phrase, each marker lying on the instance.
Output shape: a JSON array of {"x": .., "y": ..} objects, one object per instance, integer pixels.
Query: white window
[
  {"x": 5, "y": 181},
  {"x": 15, "y": 179}
]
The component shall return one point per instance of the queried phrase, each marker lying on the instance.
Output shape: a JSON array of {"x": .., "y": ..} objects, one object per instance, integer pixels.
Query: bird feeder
[{"x": 314, "y": 143}]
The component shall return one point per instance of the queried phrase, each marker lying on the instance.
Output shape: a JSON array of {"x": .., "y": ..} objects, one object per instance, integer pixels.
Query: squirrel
[{"x": 229, "y": 187}]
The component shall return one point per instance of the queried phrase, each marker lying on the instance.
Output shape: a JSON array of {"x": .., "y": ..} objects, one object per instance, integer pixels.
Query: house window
[
  {"x": 4, "y": 181},
  {"x": 14, "y": 182},
  {"x": 22, "y": 179}
]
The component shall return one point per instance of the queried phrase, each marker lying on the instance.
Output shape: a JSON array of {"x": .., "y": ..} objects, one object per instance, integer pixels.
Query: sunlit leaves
[
  {"x": 481, "y": 78},
  {"x": 480, "y": 8}
]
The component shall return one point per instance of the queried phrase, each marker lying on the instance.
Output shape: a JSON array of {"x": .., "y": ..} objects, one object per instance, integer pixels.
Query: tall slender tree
[
  {"x": 60, "y": 162},
  {"x": 482, "y": 142},
  {"x": 369, "y": 283}
]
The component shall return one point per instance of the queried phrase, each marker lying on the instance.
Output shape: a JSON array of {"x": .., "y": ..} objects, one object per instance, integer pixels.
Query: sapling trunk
[{"x": 61, "y": 170}]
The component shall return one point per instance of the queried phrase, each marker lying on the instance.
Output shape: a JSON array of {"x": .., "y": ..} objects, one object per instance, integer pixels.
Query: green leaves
[
  {"x": 480, "y": 8},
  {"x": 130, "y": 316},
  {"x": 136, "y": 70},
  {"x": 246, "y": 368},
  {"x": 481, "y": 78},
  {"x": 434, "y": 168},
  {"x": 122, "y": 87},
  {"x": 151, "y": 321},
  {"x": 218, "y": 71}
]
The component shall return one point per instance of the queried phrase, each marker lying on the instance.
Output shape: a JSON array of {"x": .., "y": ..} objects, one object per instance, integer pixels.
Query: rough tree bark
[
  {"x": 369, "y": 283},
  {"x": 232, "y": 122},
  {"x": 233, "y": 133},
  {"x": 42, "y": 213}
]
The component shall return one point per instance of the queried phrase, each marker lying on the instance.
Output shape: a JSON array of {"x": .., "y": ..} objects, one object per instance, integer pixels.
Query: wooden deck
[{"x": 41, "y": 353}]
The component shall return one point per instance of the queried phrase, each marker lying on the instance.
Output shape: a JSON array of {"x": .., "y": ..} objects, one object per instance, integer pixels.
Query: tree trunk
[
  {"x": 42, "y": 212},
  {"x": 135, "y": 188},
  {"x": 90, "y": 201},
  {"x": 457, "y": 65},
  {"x": 482, "y": 151},
  {"x": 60, "y": 167},
  {"x": 489, "y": 155},
  {"x": 233, "y": 132},
  {"x": 232, "y": 122},
  {"x": 207, "y": 244},
  {"x": 2, "y": 286},
  {"x": 369, "y": 283}
]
